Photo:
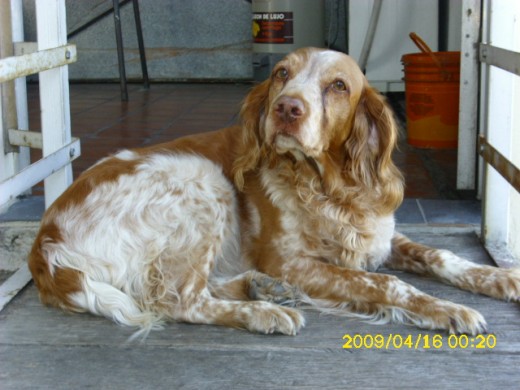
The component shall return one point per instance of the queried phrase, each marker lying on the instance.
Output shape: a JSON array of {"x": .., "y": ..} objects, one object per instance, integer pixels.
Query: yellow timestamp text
[{"x": 419, "y": 341}]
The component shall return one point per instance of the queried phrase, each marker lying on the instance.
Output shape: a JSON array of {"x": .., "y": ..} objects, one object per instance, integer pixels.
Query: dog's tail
[
  {"x": 62, "y": 283},
  {"x": 105, "y": 300}
]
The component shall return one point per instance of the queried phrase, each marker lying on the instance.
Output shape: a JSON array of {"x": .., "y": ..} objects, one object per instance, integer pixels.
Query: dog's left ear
[
  {"x": 248, "y": 146},
  {"x": 369, "y": 148},
  {"x": 372, "y": 139}
]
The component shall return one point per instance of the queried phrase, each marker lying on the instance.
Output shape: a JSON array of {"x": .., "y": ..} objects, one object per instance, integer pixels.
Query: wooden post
[
  {"x": 54, "y": 94},
  {"x": 469, "y": 96},
  {"x": 20, "y": 87},
  {"x": 8, "y": 157}
]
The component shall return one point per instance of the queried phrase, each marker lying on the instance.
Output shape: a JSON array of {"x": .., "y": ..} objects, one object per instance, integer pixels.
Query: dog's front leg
[
  {"x": 492, "y": 281},
  {"x": 379, "y": 296}
]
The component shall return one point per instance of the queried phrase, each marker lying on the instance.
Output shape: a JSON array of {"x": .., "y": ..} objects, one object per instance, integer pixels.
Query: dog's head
[{"x": 318, "y": 106}]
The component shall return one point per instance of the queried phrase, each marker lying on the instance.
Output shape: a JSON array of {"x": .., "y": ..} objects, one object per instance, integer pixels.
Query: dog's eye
[
  {"x": 282, "y": 74},
  {"x": 339, "y": 85}
]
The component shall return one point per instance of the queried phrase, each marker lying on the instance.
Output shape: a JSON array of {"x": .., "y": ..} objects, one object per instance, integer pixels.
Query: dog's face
[
  {"x": 312, "y": 97},
  {"x": 318, "y": 108}
]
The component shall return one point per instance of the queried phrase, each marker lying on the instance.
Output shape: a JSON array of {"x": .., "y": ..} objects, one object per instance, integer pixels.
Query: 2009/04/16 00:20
[{"x": 419, "y": 341}]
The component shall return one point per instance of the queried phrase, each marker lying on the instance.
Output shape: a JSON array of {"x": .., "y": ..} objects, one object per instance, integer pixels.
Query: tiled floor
[
  {"x": 105, "y": 124},
  {"x": 166, "y": 111}
]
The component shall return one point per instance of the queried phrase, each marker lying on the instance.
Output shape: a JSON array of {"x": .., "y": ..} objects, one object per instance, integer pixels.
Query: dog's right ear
[{"x": 248, "y": 147}]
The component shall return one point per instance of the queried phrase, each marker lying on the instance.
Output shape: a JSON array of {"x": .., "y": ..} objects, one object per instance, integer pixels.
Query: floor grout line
[{"x": 421, "y": 210}]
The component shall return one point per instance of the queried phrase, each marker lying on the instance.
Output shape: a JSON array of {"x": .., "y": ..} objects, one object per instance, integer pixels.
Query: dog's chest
[{"x": 317, "y": 231}]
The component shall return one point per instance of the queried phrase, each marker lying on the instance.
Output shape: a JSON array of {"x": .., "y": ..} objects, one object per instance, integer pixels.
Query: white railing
[
  {"x": 50, "y": 61},
  {"x": 49, "y": 58}
]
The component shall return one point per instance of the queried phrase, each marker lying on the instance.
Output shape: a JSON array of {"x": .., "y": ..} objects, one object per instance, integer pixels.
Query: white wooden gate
[
  {"x": 49, "y": 57},
  {"x": 50, "y": 60},
  {"x": 499, "y": 53}
]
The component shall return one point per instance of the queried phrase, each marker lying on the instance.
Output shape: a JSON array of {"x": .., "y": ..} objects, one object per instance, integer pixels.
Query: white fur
[
  {"x": 382, "y": 243},
  {"x": 173, "y": 203},
  {"x": 298, "y": 222}
]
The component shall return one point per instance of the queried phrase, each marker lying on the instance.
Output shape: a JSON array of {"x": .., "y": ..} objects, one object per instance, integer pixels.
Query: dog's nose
[{"x": 289, "y": 109}]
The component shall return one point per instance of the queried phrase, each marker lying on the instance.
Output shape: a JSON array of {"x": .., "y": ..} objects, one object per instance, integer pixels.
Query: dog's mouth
[
  {"x": 287, "y": 144},
  {"x": 284, "y": 143},
  {"x": 289, "y": 139}
]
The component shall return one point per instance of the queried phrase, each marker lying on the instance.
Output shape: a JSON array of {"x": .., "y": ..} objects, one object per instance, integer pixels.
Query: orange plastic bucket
[{"x": 432, "y": 98}]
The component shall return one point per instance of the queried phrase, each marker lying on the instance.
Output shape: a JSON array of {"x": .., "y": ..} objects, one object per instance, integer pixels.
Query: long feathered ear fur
[
  {"x": 369, "y": 149},
  {"x": 248, "y": 147}
]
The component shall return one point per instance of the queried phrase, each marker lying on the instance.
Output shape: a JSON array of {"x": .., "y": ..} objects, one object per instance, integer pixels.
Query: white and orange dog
[{"x": 294, "y": 203}]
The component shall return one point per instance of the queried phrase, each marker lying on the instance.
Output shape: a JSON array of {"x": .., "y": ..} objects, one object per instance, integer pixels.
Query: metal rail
[{"x": 502, "y": 165}]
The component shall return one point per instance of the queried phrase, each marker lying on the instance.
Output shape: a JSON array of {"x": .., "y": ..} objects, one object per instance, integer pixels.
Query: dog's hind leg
[
  {"x": 255, "y": 316},
  {"x": 420, "y": 259},
  {"x": 229, "y": 303}
]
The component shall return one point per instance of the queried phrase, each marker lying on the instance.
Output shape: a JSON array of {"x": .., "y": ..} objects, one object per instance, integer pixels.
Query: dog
[{"x": 294, "y": 204}]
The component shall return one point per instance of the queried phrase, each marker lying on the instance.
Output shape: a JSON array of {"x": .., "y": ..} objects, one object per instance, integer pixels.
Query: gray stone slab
[
  {"x": 26, "y": 209},
  {"x": 193, "y": 40},
  {"x": 409, "y": 212},
  {"x": 16, "y": 240},
  {"x": 451, "y": 211}
]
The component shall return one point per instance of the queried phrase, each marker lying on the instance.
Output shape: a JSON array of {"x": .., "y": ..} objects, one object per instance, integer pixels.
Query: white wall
[
  {"x": 502, "y": 127},
  {"x": 397, "y": 19},
  {"x": 514, "y": 200}
]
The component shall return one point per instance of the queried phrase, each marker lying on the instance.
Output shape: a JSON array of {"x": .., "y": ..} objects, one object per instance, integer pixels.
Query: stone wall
[{"x": 199, "y": 40}]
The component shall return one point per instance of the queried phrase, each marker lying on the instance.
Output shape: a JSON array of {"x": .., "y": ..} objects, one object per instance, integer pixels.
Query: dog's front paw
[
  {"x": 502, "y": 283},
  {"x": 269, "y": 318},
  {"x": 458, "y": 319}
]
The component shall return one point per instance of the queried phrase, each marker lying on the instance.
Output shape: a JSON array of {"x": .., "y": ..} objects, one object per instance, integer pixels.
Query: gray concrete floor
[{"x": 44, "y": 348}]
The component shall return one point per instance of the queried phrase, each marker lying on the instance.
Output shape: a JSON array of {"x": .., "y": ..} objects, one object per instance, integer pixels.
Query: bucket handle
[
  {"x": 420, "y": 43},
  {"x": 426, "y": 49}
]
